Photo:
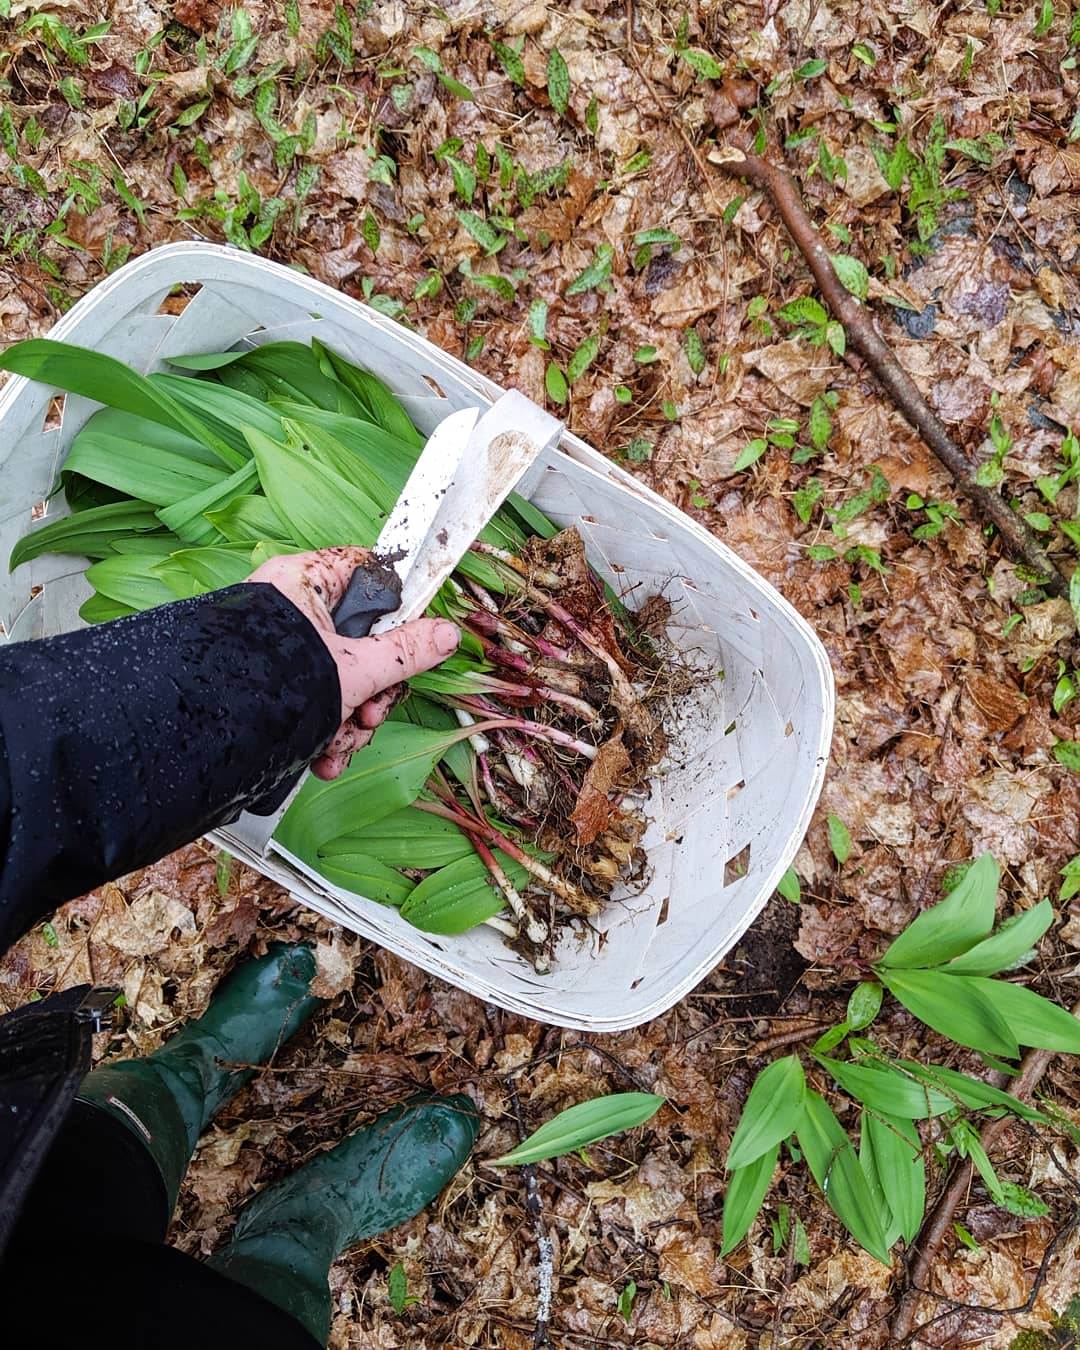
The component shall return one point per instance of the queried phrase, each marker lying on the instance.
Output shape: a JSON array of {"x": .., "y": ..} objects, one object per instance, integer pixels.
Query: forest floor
[{"x": 937, "y": 145}]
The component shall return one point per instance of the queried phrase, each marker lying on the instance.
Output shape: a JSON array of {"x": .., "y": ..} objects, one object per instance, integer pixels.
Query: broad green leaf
[
  {"x": 106, "y": 380},
  {"x": 745, "y": 1191},
  {"x": 864, "y": 1004},
  {"x": 150, "y": 473},
  {"x": 127, "y": 581},
  {"x": 583, "y": 357},
  {"x": 460, "y": 895},
  {"x": 1020, "y": 1201},
  {"x": 248, "y": 517},
  {"x": 407, "y": 838},
  {"x": 892, "y": 1151},
  {"x": 88, "y": 533},
  {"x": 384, "y": 777},
  {"x": 750, "y": 454},
  {"x": 771, "y": 1113},
  {"x": 839, "y": 839},
  {"x": 486, "y": 235},
  {"x": 558, "y": 81},
  {"x": 596, "y": 274},
  {"x": 584, "y": 1124},
  {"x": 100, "y": 609},
  {"x": 320, "y": 507},
  {"x": 958, "y": 1007},
  {"x": 373, "y": 396},
  {"x": 882, "y": 1088},
  {"x": 510, "y": 60},
  {"x": 968, "y": 1144},
  {"x": 695, "y": 351},
  {"x": 157, "y": 545},
  {"x": 853, "y": 275},
  {"x": 211, "y": 568},
  {"x": 534, "y": 519},
  {"x": 538, "y": 317},
  {"x": 189, "y": 519},
  {"x": 788, "y": 886},
  {"x": 381, "y": 452},
  {"x": 835, "y": 1166},
  {"x": 342, "y": 459},
  {"x": 805, "y": 310},
  {"x": 225, "y": 410},
  {"x": 963, "y": 918},
  {"x": 968, "y": 1091},
  {"x": 820, "y": 424},
  {"x": 307, "y": 374},
  {"x": 1032, "y": 1019},
  {"x": 555, "y": 383},
  {"x": 459, "y": 757},
  {"x": 1067, "y": 753},
  {"x": 702, "y": 63},
  {"x": 889, "y": 1227},
  {"x": 364, "y": 875},
  {"x": 1013, "y": 941}
]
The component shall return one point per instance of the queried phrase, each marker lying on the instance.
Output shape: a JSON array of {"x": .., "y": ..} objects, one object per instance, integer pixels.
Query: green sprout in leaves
[
  {"x": 812, "y": 322},
  {"x": 943, "y": 969},
  {"x": 596, "y": 275}
]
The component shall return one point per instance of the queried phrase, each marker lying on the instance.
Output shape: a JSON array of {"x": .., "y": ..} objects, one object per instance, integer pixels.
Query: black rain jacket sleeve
[{"x": 119, "y": 744}]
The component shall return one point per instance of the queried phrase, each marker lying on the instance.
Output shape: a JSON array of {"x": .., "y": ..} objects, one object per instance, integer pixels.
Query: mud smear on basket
[{"x": 602, "y": 678}]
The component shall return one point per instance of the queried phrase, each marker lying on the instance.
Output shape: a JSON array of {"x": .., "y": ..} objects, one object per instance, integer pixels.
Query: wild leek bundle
[{"x": 507, "y": 787}]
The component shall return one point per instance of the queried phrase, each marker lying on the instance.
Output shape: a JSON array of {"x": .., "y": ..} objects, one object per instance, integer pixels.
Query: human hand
[{"x": 369, "y": 669}]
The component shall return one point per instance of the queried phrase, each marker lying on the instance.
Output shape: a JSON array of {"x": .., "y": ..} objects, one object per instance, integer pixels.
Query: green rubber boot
[
  {"x": 167, "y": 1098},
  {"x": 289, "y": 1235}
]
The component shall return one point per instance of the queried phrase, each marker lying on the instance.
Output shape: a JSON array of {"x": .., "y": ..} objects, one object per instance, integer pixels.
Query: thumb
[{"x": 367, "y": 666}]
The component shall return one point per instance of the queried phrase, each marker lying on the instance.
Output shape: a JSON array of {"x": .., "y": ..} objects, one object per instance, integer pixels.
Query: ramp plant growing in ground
[
  {"x": 942, "y": 968},
  {"x": 503, "y": 789}
]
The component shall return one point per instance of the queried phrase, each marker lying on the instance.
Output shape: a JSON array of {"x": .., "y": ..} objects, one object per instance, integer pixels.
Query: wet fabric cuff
[{"x": 126, "y": 741}]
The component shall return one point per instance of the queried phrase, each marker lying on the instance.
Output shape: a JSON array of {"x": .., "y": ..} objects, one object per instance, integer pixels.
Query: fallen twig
[
  {"x": 864, "y": 338},
  {"x": 928, "y": 1243},
  {"x": 535, "y": 1209}
]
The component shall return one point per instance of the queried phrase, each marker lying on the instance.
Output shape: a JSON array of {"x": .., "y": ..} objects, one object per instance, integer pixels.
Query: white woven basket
[{"x": 733, "y": 801}]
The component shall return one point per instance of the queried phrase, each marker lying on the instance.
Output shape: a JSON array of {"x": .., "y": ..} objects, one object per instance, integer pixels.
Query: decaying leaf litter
[{"x": 951, "y": 695}]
